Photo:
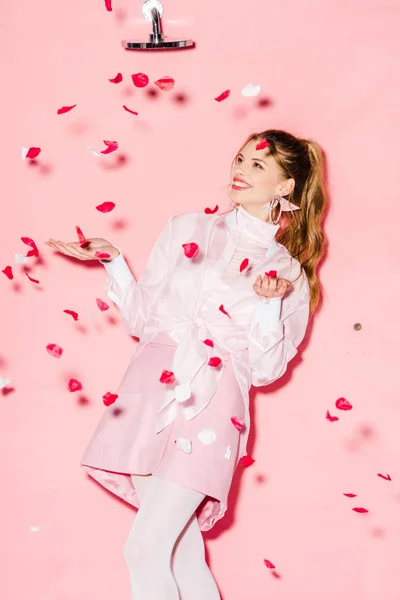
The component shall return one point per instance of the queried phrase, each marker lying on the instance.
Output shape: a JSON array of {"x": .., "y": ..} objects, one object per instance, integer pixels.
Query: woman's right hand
[{"x": 95, "y": 245}]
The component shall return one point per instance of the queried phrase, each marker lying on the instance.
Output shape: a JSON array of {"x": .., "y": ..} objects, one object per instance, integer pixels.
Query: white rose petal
[
  {"x": 24, "y": 152},
  {"x": 251, "y": 90},
  {"x": 4, "y": 382},
  {"x": 228, "y": 453},
  {"x": 183, "y": 392},
  {"x": 34, "y": 528},
  {"x": 93, "y": 151},
  {"x": 20, "y": 259},
  {"x": 207, "y": 436},
  {"x": 184, "y": 444}
]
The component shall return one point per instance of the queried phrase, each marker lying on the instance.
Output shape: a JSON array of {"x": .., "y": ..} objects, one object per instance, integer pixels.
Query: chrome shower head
[{"x": 152, "y": 10}]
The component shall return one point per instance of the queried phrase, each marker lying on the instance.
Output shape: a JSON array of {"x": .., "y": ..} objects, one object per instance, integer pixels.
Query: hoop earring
[{"x": 273, "y": 204}]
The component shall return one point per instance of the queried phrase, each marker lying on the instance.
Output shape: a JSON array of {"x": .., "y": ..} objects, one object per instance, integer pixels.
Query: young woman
[{"x": 222, "y": 305}]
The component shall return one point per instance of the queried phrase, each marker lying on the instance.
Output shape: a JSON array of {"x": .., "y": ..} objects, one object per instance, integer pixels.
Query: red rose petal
[
  {"x": 244, "y": 264},
  {"x": 81, "y": 237},
  {"x": 129, "y": 110},
  {"x": 140, "y": 80},
  {"x": 116, "y": 79},
  {"x": 102, "y": 305},
  {"x": 167, "y": 377},
  {"x": 238, "y": 423},
  {"x": 350, "y": 495},
  {"x": 209, "y": 343},
  {"x": 270, "y": 273},
  {"x": 8, "y": 272},
  {"x": 108, "y": 5},
  {"x": 221, "y": 308},
  {"x": 269, "y": 564},
  {"x": 30, "y": 242},
  {"x": 263, "y": 144},
  {"x": 74, "y": 385},
  {"x": 111, "y": 147},
  {"x": 387, "y": 477},
  {"x": 222, "y": 96},
  {"x": 109, "y": 398},
  {"x": 214, "y": 361},
  {"x": 343, "y": 404},
  {"x": 31, "y": 278},
  {"x": 84, "y": 244},
  {"x": 360, "y": 510},
  {"x": 247, "y": 461},
  {"x": 54, "y": 350},
  {"x": 72, "y": 313},
  {"x": 191, "y": 250},
  {"x": 165, "y": 83},
  {"x": 328, "y": 416},
  {"x": 99, "y": 254},
  {"x": 208, "y": 211},
  {"x": 33, "y": 152},
  {"x": 105, "y": 207},
  {"x": 65, "y": 109}
]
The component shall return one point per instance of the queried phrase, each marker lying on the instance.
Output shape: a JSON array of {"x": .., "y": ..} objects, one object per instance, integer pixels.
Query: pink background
[{"x": 330, "y": 72}]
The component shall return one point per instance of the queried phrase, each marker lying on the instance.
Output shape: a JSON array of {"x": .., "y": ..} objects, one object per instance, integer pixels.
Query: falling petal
[
  {"x": 103, "y": 255},
  {"x": 31, "y": 243},
  {"x": 93, "y": 151},
  {"x": 387, "y": 477},
  {"x": 81, "y": 237},
  {"x": 31, "y": 278},
  {"x": 191, "y": 250},
  {"x": 184, "y": 444},
  {"x": 85, "y": 244},
  {"x": 102, "y": 305},
  {"x": 116, "y": 79},
  {"x": 167, "y": 377},
  {"x": 20, "y": 259},
  {"x": 343, "y": 404},
  {"x": 222, "y": 96},
  {"x": 228, "y": 453},
  {"x": 210, "y": 211},
  {"x": 54, "y": 350},
  {"x": 238, "y": 423},
  {"x": 269, "y": 564},
  {"x": 34, "y": 528},
  {"x": 65, "y": 109},
  {"x": 330, "y": 418},
  {"x": 250, "y": 90},
  {"x": 111, "y": 147},
  {"x": 33, "y": 152},
  {"x": 247, "y": 460},
  {"x": 140, "y": 80},
  {"x": 214, "y": 361},
  {"x": 24, "y": 152},
  {"x": 74, "y": 385},
  {"x": 349, "y": 495},
  {"x": 8, "y": 272},
  {"x": 263, "y": 144},
  {"x": 207, "y": 436},
  {"x": 221, "y": 308},
  {"x": 208, "y": 343},
  {"x": 105, "y": 207},
  {"x": 109, "y": 398},
  {"x": 108, "y": 5},
  {"x": 129, "y": 110},
  {"x": 165, "y": 83},
  {"x": 183, "y": 392},
  {"x": 360, "y": 510},
  {"x": 72, "y": 313},
  {"x": 4, "y": 382},
  {"x": 244, "y": 264}
]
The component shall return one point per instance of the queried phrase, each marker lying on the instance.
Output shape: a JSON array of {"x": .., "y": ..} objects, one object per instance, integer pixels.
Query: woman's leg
[
  {"x": 165, "y": 511},
  {"x": 192, "y": 574}
]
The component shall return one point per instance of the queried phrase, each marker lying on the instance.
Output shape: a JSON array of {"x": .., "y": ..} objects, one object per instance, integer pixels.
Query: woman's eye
[
  {"x": 258, "y": 165},
  {"x": 238, "y": 159}
]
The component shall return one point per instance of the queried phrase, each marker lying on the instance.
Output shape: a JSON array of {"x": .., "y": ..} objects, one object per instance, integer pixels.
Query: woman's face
[{"x": 255, "y": 180}]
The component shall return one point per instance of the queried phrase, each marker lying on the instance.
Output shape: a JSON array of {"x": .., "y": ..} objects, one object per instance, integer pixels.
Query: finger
[
  {"x": 57, "y": 246},
  {"x": 84, "y": 254}
]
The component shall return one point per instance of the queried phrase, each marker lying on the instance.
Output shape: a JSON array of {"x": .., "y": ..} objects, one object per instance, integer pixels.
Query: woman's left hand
[{"x": 271, "y": 287}]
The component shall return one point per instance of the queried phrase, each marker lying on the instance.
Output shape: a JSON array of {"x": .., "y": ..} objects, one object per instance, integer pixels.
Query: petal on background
[
  {"x": 250, "y": 90},
  {"x": 269, "y": 564},
  {"x": 207, "y": 436},
  {"x": 263, "y": 144},
  {"x": 54, "y": 350},
  {"x": 8, "y": 272},
  {"x": 183, "y": 392},
  {"x": 81, "y": 237},
  {"x": 165, "y": 83},
  {"x": 247, "y": 460},
  {"x": 191, "y": 250},
  {"x": 74, "y": 385},
  {"x": 184, "y": 444},
  {"x": 238, "y": 423},
  {"x": 244, "y": 265},
  {"x": 4, "y": 382},
  {"x": 167, "y": 377},
  {"x": 105, "y": 207},
  {"x": 20, "y": 259},
  {"x": 208, "y": 343},
  {"x": 33, "y": 152},
  {"x": 93, "y": 151},
  {"x": 102, "y": 305},
  {"x": 72, "y": 313},
  {"x": 116, "y": 79},
  {"x": 214, "y": 361},
  {"x": 140, "y": 80},
  {"x": 129, "y": 110},
  {"x": 111, "y": 147},
  {"x": 24, "y": 152},
  {"x": 29, "y": 242},
  {"x": 109, "y": 398},
  {"x": 65, "y": 109},
  {"x": 350, "y": 495},
  {"x": 31, "y": 278},
  {"x": 108, "y": 5},
  {"x": 330, "y": 418},
  {"x": 222, "y": 96},
  {"x": 387, "y": 477},
  {"x": 208, "y": 211},
  {"x": 359, "y": 509},
  {"x": 343, "y": 404}
]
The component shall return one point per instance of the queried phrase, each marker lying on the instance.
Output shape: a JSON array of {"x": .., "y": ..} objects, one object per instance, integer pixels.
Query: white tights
[{"x": 165, "y": 531}]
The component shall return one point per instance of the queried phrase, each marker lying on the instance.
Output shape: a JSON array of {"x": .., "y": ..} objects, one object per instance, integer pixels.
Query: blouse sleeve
[
  {"x": 135, "y": 299},
  {"x": 273, "y": 339}
]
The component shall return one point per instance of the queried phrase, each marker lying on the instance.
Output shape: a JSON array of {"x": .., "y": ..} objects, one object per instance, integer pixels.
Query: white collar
[{"x": 234, "y": 217}]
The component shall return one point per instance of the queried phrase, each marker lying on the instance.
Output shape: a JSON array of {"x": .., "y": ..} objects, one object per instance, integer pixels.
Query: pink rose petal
[
  {"x": 54, "y": 350},
  {"x": 8, "y": 272},
  {"x": 111, "y": 147},
  {"x": 263, "y": 144},
  {"x": 360, "y": 510},
  {"x": 102, "y": 305},
  {"x": 74, "y": 385},
  {"x": 133, "y": 112},
  {"x": 72, "y": 313},
  {"x": 208, "y": 343},
  {"x": 222, "y": 96},
  {"x": 343, "y": 404},
  {"x": 81, "y": 237},
  {"x": 108, "y": 5},
  {"x": 269, "y": 564},
  {"x": 31, "y": 243},
  {"x": 167, "y": 377},
  {"x": 105, "y": 207},
  {"x": 191, "y": 250},
  {"x": 247, "y": 461},
  {"x": 238, "y": 423},
  {"x": 140, "y": 80},
  {"x": 244, "y": 265},
  {"x": 31, "y": 278},
  {"x": 221, "y": 308},
  {"x": 214, "y": 361},
  {"x": 387, "y": 477},
  {"x": 99, "y": 254},
  {"x": 65, "y": 109},
  {"x": 109, "y": 398},
  {"x": 33, "y": 152},
  {"x": 210, "y": 211},
  {"x": 330, "y": 418},
  {"x": 165, "y": 83},
  {"x": 349, "y": 495},
  {"x": 116, "y": 79}
]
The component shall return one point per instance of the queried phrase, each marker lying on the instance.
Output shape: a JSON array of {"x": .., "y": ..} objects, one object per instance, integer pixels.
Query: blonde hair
[{"x": 302, "y": 235}]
